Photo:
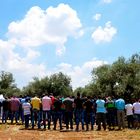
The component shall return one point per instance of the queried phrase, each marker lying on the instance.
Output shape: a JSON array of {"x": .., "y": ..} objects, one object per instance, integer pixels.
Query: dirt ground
[{"x": 16, "y": 132}]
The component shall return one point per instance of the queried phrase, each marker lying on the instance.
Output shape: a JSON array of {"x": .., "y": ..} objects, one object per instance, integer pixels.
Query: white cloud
[
  {"x": 97, "y": 16},
  {"x": 53, "y": 25},
  {"x": 80, "y": 75},
  {"x": 22, "y": 68},
  {"x": 107, "y": 1},
  {"x": 104, "y": 34}
]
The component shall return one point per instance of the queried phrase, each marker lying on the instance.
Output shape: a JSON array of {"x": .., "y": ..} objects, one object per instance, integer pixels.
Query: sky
[{"x": 41, "y": 37}]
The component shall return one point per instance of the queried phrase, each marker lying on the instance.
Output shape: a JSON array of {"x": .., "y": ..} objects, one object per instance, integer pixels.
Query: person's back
[
  {"x": 36, "y": 103},
  {"x": 68, "y": 103},
  {"x": 129, "y": 109},
  {"x": 120, "y": 104},
  {"x": 100, "y": 106},
  {"x": 26, "y": 108},
  {"x": 46, "y": 103},
  {"x": 6, "y": 105},
  {"x": 78, "y": 103},
  {"x": 136, "y": 108},
  {"x": 15, "y": 104}
]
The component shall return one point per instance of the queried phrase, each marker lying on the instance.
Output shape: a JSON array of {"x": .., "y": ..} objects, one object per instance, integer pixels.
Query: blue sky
[{"x": 43, "y": 37}]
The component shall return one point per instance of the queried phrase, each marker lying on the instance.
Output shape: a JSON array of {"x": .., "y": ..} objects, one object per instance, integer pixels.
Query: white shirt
[
  {"x": 129, "y": 109},
  {"x": 136, "y": 108}
]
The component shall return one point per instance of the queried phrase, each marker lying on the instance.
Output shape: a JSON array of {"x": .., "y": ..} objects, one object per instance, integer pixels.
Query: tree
[
  {"x": 7, "y": 84},
  {"x": 121, "y": 78},
  {"x": 58, "y": 84}
]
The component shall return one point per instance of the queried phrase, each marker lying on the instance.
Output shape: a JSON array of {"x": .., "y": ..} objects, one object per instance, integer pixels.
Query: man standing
[
  {"x": 26, "y": 106},
  {"x": 46, "y": 107},
  {"x": 68, "y": 104},
  {"x": 78, "y": 104},
  {"x": 136, "y": 109},
  {"x": 57, "y": 113},
  {"x": 14, "y": 106},
  {"x": 89, "y": 113},
  {"x": 36, "y": 106},
  {"x": 100, "y": 113},
  {"x": 120, "y": 106}
]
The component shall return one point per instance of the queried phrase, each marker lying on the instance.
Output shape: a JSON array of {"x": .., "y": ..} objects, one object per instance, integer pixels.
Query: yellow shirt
[{"x": 36, "y": 103}]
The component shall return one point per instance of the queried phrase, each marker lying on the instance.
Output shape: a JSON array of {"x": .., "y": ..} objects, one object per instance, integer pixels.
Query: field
[{"x": 16, "y": 132}]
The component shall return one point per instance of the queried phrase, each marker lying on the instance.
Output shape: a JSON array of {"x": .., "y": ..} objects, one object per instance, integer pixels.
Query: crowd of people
[{"x": 77, "y": 113}]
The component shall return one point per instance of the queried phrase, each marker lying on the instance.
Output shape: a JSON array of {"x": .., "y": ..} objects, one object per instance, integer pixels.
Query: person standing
[
  {"x": 78, "y": 105},
  {"x": 110, "y": 107},
  {"x": 46, "y": 107},
  {"x": 129, "y": 114},
  {"x": 6, "y": 109},
  {"x": 68, "y": 104},
  {"x": 57, "y": 113},
  {"x": 100, "y": 113},
  {"x": 120, "y": 106},
  {"x": 14, "y": 107},
  {"x": 26, "y": 106},
  {"x": 36, "y": 106},
  {"x": 136, "y": 109},
  {"x": 89, "y": 113}
]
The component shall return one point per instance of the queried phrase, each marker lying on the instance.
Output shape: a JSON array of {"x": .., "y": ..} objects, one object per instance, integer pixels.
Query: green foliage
[
  {"x": 7, "y": 84},
  {"x": 58, "y": 84},
  {"x": 122, "y": 78}
]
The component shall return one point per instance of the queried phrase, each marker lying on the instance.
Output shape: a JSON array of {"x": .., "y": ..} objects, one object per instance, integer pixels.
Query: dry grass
[{"x": 15, "y": 132}]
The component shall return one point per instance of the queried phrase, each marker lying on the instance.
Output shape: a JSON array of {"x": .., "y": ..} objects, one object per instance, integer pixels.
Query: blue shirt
[
  {"x": 120, "y": 104},
  {"x": 101, "y": 106}
]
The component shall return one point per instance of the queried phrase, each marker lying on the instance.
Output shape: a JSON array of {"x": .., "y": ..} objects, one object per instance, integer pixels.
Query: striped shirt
[{"x": 26, "y": 108}]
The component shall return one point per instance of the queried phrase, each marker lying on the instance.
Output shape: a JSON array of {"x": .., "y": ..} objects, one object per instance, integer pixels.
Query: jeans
[
  {"x": 57, "y": 115},
  {"x": 47, "y": 115},
  {"x": 36, "y": 112},
  {"x": 101, "y": 118},
  {"x": 27, "y": 117},
  {"x": 121, "y": 118},
  {"x": 5, "y": 116},
  {"x": 111, "y": 117},
  {"x": 68, "y": 119},
  {"x": 14, "y": 114},
  {"x": 89, "y": 119},
  {"x": 79, "y": 117}
]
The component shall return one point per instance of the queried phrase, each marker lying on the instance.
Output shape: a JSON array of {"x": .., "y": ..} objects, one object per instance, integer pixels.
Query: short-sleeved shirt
[
  {"x": 68, "y": 103},
  {"x": 89, "y": 106},
  {"x": 26, "y": 108},
  {"x": 78, "y": 103},
  {"x": 14, "y": 104},
  {"x": 120, "y": 104},
  {"x": 36, "y": 103},
  {"x": 129, "y": 109},
  {"x": 136, "y": 108},
  {"x": 46, "y": 103},
  {"x": 100, "y": 106}
]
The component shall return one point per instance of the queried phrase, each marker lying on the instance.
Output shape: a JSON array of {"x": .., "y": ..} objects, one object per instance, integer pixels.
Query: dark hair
[{"x": 78, "y": 94}]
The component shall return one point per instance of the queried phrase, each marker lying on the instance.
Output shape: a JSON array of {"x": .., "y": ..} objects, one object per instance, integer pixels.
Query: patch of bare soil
[{"x": 16, "y": 132}]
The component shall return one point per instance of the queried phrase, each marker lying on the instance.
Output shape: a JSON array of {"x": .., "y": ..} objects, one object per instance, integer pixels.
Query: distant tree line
[{"x": 119, "y": 78}]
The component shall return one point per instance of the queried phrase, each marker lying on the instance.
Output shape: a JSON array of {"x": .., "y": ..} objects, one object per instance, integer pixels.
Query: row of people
[{"x": 108, "y": 112}]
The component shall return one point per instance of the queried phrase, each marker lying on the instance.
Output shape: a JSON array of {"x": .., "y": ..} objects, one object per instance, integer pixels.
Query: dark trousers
[
  {"x": 35, "y": 113},
  {"x": 130, "y": 120},
  {"x": 89, "y": 119},
  {"x": 57, "y": 116},
  {"x": 79, "y": 117},
  {"x": 111, "y": 117},
  {"x": 101, "y": 118},
  {"x": 27, "y": 117},
  {"x": 46, "y": 116},
  {"x": 68, "y": 119}
]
